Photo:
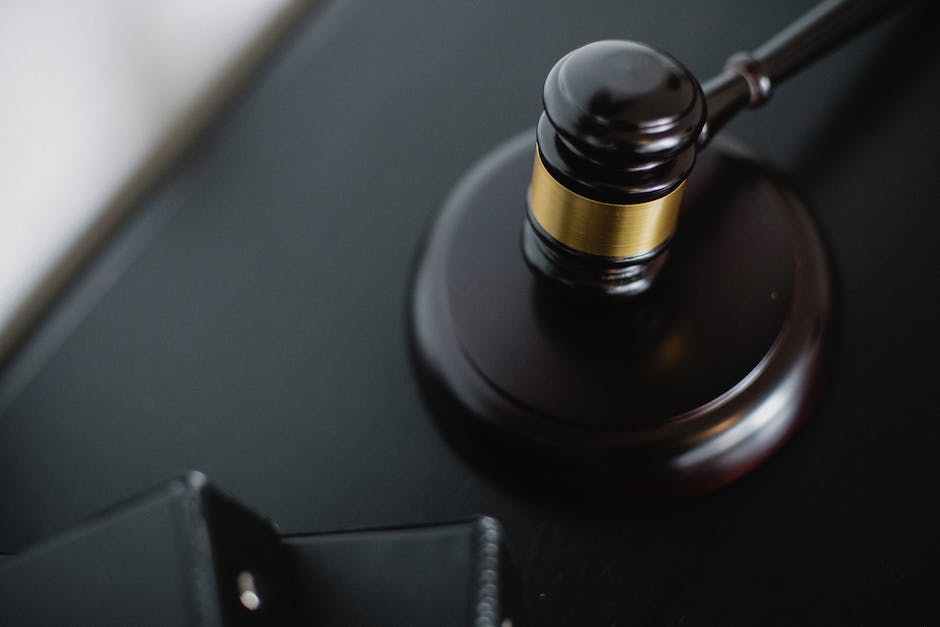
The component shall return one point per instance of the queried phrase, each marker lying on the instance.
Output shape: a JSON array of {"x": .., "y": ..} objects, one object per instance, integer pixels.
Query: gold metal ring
[{"x": 599, "y": 228}]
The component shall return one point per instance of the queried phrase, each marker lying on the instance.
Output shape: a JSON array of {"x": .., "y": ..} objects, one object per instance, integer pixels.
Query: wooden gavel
[
  {"x": 622, "y": 126},
  {"x": 665, "y": 379}
]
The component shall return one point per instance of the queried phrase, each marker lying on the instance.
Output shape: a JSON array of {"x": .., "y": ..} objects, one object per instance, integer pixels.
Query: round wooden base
[{"x": 661, "y": 396}]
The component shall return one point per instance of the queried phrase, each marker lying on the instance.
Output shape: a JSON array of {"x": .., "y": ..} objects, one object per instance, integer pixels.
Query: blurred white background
[{"x": 94, "y": 97}]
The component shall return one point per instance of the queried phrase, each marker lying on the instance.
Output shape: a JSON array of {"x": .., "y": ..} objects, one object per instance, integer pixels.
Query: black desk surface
[{"x": 250, "y": 320}]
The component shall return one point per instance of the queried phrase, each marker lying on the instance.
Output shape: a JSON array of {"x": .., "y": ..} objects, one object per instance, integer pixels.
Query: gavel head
[{"x": 615, "y": 145}]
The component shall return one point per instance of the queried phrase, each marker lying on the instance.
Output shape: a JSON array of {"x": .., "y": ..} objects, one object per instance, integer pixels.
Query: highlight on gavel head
[{"x": 615, "y": 145}]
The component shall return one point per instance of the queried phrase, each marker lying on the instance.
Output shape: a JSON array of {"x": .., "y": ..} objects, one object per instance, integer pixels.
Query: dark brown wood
[
  {"x": 621, "y": 125},
  {"x": 749, "y": 78},
  {"x": 662, "y": 396},
  {"x": 621, "y": 122}
]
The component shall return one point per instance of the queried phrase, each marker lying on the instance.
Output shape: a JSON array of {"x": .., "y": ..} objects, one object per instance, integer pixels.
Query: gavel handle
[{"x": 749, "y": 78}]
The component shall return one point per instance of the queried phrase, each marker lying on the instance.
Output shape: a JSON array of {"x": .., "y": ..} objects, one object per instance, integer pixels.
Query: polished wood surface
[{"x": 660, "y": 396}]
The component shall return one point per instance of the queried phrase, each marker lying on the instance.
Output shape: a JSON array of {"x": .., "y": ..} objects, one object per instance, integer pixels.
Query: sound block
[{"x": 656, "y": 397}]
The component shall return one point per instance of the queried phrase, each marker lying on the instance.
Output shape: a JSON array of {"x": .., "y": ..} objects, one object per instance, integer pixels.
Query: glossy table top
[{"x": 250, "y": 320}]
